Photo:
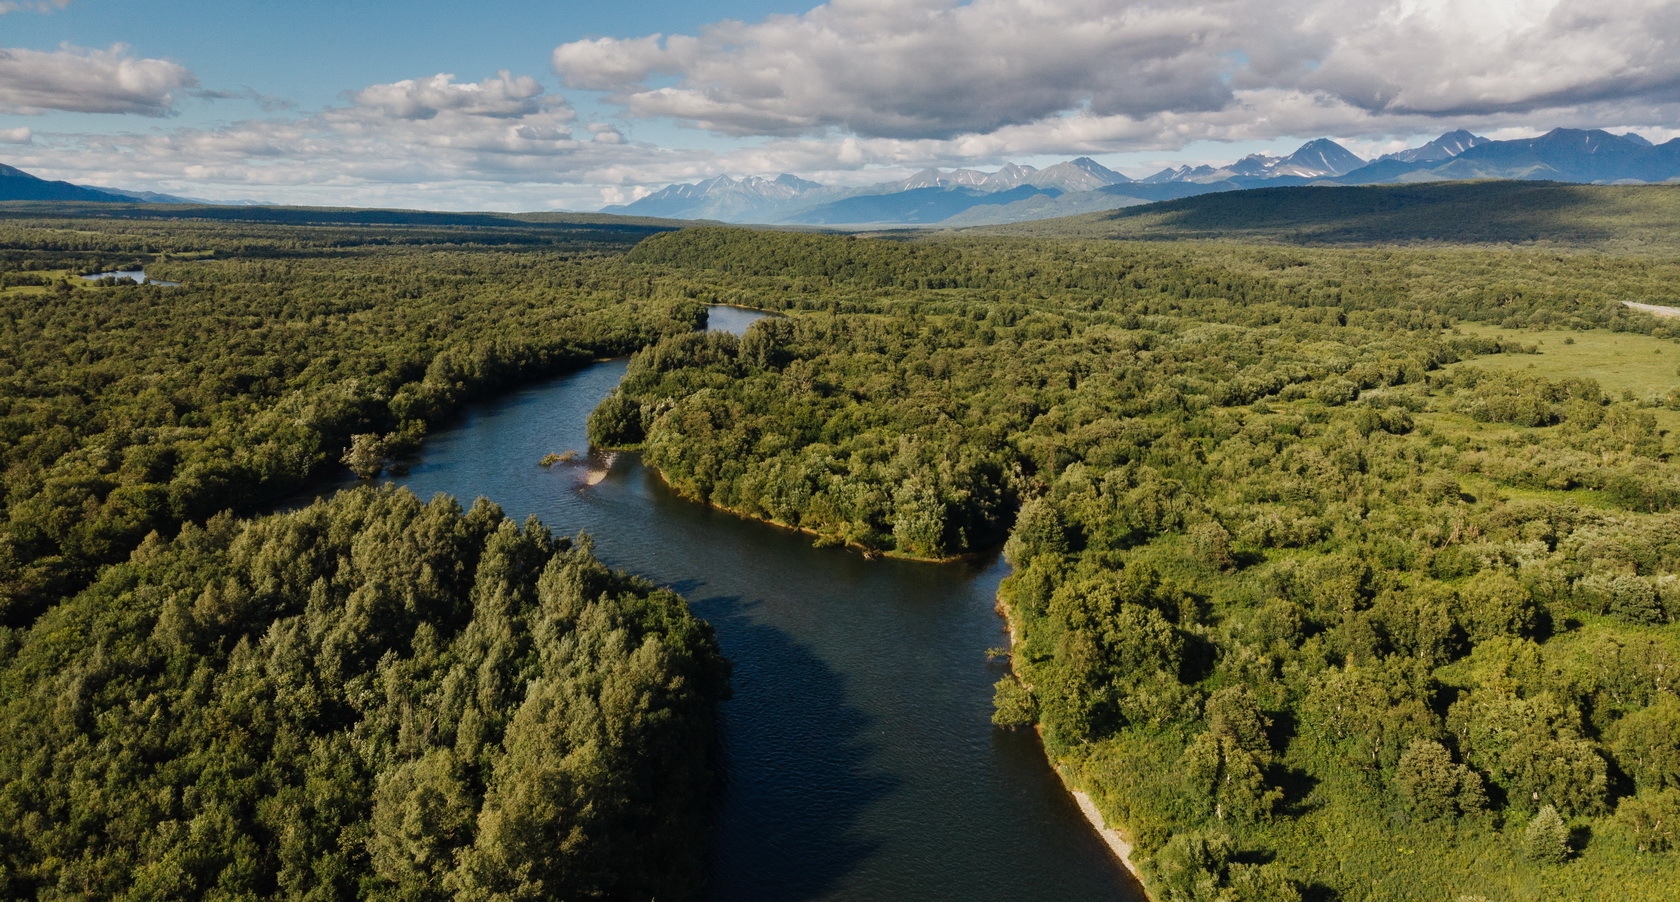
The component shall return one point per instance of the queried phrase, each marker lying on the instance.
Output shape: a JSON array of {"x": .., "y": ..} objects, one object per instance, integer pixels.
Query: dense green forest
[
  {"x": 1333, "y": 575},
  {"x": 368, "y": 698},
  {"x": 128, "y": 408},
  {"x": 1314, "y": 603}
]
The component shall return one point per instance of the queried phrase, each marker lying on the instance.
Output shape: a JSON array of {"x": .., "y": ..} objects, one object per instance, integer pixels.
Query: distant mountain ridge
[
  {"x": 1015, "y": 193},
  {"x": 722, "y": 197},
  {"x": 15, "y": 184},
  {"x": 1318, "y": 158},
  {"x": 788, "y": 198},
  {"x": 1561, "y": 155},
  {"x": 1445, "y": 147}
]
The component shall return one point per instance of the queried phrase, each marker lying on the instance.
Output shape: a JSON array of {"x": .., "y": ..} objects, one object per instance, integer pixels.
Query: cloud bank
[
  {"x": 1132, "y": 71},
  {"x": 499, "y": 143}
]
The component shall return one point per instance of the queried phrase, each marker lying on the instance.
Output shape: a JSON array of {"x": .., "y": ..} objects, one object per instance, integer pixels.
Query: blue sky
[
  {"x": 309, "y": 52},
  {"x": 515, "y": 104}
]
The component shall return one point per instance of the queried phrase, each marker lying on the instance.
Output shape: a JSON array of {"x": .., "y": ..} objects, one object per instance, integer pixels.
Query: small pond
[{"x": 134, "y": 275}]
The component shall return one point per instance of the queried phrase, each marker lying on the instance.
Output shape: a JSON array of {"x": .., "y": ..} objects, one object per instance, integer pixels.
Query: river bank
[
  {"x": 857, "y": 753},
  {"x": 1116, "y": 840},
  {"x": 824, "y": 539}
]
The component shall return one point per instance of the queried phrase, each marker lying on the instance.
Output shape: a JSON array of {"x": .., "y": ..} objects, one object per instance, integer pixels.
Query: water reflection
[{"x": 138, "y": 276}]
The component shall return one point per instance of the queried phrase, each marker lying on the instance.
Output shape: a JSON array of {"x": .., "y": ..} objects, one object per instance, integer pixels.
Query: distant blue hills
[
  {"x": 1015, "y": 193},
  {"x": 15, "y": 184}
]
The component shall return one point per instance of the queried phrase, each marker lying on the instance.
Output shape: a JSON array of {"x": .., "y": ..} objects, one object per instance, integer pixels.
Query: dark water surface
[{"x": 859, "y": 758}]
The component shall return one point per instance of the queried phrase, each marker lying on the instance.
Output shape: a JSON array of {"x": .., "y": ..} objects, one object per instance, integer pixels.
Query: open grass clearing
[
  {"x": 1622, "y": 363},
  {"x": 1618, "y": 361}
]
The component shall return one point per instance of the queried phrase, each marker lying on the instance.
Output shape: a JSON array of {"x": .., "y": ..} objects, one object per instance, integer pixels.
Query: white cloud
[
  {"x": 1472, "y": 57},
  {"x": 857, "y": 91},
  {"x": 605, "y": 64},
  {"x": 20, "y": 135},
  {"x": 504, "y": 96},
  {"x": 432, "y": 142},
  {"x": 916, "y": 69},
  {"x": 945, "y": 69},
  {"x": 612, "y": 194},
  {"x": 74, "y": 79}
]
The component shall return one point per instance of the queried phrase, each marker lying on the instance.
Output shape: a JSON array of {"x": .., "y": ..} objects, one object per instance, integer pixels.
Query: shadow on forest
[
  {"x": 797, "y": 779},
  {"x": 1474, "y": 212}
]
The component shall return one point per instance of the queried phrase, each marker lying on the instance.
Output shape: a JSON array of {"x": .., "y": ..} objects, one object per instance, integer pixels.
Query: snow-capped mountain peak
[
  {"x": 1083, "y": 174},
  {"x": 1316, "y": 159},
  {"x": 1319, "y": 158},
  {"x": 1445, "y": 147}
]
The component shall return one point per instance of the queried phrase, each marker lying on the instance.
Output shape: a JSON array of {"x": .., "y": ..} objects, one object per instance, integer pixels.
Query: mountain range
[{"x": 1015, "y": 193}]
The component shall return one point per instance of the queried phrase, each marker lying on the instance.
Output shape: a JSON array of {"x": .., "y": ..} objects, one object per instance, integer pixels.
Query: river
[{"x": 858, "y": 755}]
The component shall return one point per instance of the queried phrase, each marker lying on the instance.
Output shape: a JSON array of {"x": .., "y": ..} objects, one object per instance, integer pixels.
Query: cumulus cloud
[
  {"x": 435, "y": 142},
  {"x": 1472, "y": 57},
  {"x": 503, "y": 97},
  {"x": 947, "y": 69},
  {"x": 78, "y": 80},
  {"x": 915, "y": 69},
  {"x": 604, "y": 64},
  {"x": 857, "y": 91}
]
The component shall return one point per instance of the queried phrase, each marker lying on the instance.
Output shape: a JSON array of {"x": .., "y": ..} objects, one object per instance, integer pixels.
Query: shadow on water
[{"x": 796, "y": 782}]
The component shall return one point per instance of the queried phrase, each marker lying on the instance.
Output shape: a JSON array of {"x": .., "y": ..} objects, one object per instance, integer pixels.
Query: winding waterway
[{"x": 859, "y": 759}]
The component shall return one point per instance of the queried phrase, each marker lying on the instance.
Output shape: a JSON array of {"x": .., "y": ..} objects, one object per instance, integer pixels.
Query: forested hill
[
  {"x": 396, "y": 226},
  {"x": 1617, "y": 218}
]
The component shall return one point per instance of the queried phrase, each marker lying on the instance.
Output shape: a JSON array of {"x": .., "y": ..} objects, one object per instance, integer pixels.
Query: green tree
[
  {"x": 1226, "y": 764},
  {"x": 1433, "y": 787},
  {"x": 1532, "y": 749},
  {"x": 422, "y": 814},
  {"x": 1652, "y": 819},
  {"x": 1013, "y": 704},
  {"x": 1210, "y": 543},
  {"x": 1193, "y": 867},
  {"x": 1646, "y": 744},
  {"x": 1546, "y": 838},
  {"x": 367, "y": 456},
  {"x": 1495, "y": 604}
]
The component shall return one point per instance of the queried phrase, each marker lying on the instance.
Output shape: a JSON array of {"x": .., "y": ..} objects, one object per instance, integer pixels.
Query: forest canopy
[
  {"x": 369, "y": 698},
  {"x": 128, "y": 408}
]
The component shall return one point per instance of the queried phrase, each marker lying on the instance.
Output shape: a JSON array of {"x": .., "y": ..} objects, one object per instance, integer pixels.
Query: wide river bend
[{"x": 858, "y": 753}]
